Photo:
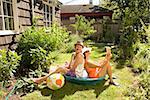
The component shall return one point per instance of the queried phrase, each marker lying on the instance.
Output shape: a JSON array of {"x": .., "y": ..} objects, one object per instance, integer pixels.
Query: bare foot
[
  {"x": 108, "y": 50},
  {"x": 36, "y": 80},
  {"x": 114, "y": 83},
  {"x": 41, "y": 79},
  {"x": 108, "y": 53}
]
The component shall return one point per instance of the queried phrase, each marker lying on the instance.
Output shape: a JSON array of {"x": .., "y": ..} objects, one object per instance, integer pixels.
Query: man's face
[{"x": 78, "y": 48}]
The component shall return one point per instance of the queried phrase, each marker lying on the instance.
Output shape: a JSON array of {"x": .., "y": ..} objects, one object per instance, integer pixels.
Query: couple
[{"x": 80, "y": 66}]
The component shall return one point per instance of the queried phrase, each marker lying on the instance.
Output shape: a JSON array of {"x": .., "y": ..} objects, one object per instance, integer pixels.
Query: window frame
[
  {"x": 13, "y": 15},
  {"x": 51, "y": 13}
]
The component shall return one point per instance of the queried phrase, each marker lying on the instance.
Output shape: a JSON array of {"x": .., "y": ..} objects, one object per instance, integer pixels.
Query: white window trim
[
  {"x": 7, "y": 32},
  {"x": 2, "y": 15},
  {"x": 53, "y": 5},
  {"x": 15, "y": 16},
  {"x": 45, "y": 12}
]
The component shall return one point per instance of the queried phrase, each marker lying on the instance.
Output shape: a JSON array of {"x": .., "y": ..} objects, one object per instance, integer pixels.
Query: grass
[{"x": 100, "y": 91}]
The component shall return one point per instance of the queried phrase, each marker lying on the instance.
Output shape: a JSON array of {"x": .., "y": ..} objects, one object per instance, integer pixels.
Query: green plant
[
  {"x": 141, "y": 61},
  {"x": 48, "y": 39},
  {"x": 140, "y": 90},
  {"x": 25, "y": 85},
  {"x": 126, "y": 48},
  {"x": 83, "y": 26},
  {"x": 51, "y": 38},
  {"x": 142, "y": 48},
  {"x": 41, "y": 60},
  {"x": 142, "y": 58},
  {"x": 9, "y": 61}
]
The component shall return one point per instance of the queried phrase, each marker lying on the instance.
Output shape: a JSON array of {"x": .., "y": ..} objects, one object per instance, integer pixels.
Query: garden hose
[{"x": 12, "y": 91}]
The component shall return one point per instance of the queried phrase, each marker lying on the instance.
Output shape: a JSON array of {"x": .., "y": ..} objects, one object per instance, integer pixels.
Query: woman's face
[
  {"x": 87, "y": 54},
  {"x": 78, "y": 48}
]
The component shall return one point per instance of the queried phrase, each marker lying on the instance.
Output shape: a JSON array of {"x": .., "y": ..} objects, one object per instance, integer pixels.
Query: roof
[{"x": 83, "y": 9}]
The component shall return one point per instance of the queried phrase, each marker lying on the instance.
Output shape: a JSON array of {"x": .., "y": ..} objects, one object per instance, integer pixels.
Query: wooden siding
[
  {"x": 8, "y": 41},
  {"x": 24, "y": 12}
]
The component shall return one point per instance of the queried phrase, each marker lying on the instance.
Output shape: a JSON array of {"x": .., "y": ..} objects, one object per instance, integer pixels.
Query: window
[
  {"x": 47, "y": 15},
  {"x": 64, "y": 18},
  {"x": 6, "y": 15},
  {"x": 72, "y": 18}
]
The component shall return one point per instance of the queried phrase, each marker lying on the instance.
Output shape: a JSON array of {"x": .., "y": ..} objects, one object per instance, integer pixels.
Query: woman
[
  {"x": 96, "y": 71},
  {"x": 75, "y": 68}
]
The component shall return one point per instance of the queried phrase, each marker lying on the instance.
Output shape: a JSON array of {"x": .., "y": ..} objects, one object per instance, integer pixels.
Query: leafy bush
[
  {"x": 126, "y": 46},
  {"x": 25, "y": 85},
  {"x": 141, "y": 90},
  {"x": 142, "y": 58},
  {"x": 41, "y": 60},
  {"x": 48, "y": 39},
  {"x": 141, "y": 61},
  {"x": 9, "y": 61},
  {"x": 142, "y": 48}
]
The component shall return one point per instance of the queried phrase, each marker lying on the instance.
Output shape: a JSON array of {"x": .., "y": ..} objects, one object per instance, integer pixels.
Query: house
[
  {"x": 17, "y": 15},
  {"x": 90, "y": 11}
]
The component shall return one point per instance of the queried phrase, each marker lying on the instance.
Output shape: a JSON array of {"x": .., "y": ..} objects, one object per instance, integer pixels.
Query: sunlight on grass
[{"x": 62, "y": 58}]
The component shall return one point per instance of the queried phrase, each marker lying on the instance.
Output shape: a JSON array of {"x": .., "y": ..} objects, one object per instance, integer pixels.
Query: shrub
[
  {"x": 48, "y": 39},
  {"x": 142, "y": 58},
  {"x": 41, "y": 60},
  {"x": 141, "y": 90},
  {"x": 9, "y": 61},
  {"x": 51, "y": 38},
  {"x": 141, "y": 61},
  {"x": 142, "y": 48}
]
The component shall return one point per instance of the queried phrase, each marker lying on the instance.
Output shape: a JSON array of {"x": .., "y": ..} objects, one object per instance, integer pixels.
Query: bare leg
[
  {"x": 106, "y": 64},
  {"x": 41, "y": 79},
  {"x": 106, "y": 70}
]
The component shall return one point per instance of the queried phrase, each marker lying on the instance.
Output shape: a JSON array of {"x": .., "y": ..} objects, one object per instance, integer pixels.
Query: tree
[{"x": 130, "y": 14}]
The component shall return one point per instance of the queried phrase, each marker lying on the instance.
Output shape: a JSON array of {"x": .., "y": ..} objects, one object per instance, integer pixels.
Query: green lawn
[{"x": 100, "y": 91}]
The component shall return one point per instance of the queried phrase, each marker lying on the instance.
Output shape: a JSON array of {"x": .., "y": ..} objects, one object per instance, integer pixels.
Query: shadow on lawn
[{"x": 70, "y": 89}]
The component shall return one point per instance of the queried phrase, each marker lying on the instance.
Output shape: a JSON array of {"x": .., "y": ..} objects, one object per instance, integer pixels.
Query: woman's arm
[
  {"x": 78, "y": 60},
  {"x": 92, "y": 65},
  {"x": 71, "y": 61}
]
